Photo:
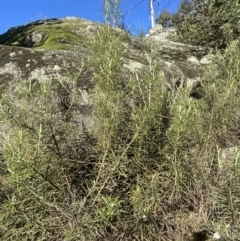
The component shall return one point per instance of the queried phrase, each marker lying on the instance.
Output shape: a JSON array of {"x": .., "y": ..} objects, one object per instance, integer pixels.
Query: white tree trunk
[{"x": 152, "y": 15}]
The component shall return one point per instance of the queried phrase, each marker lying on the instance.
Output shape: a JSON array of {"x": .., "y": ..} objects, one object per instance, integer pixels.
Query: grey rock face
[
  {"x": 175, "y": 61},
  {"x": 33, "y": 39},
  {"x": 164, "y": 36},
  {"x": 227, "y": 156},
  {"x": 161, "y": 34}
]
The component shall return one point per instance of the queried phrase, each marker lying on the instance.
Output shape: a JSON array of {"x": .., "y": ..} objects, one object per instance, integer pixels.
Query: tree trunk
[{"x": 152, "y": 15}]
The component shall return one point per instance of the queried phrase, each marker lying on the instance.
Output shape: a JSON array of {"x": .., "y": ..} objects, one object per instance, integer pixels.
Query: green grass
[
  {"x": 149, "y": 169},
  {"x": 59, "y": 34}
]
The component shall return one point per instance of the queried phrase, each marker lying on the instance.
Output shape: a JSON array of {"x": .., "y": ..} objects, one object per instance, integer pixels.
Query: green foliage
[
  {"x": 211, "y": 23},
  {"x": 41, "y": 149},
  {"x": 168, "y": 19},
  {"x": 205, "y": 22},
  {"x": 151, "y": 167},
  {"x": 165, "y": 19},
  {"x": 56, "y": 35}
]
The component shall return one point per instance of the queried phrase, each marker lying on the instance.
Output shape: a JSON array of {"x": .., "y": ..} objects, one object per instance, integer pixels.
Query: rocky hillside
[
  {"x": 55, "y": 48},
  {"x": 57, "y": 45},
  {"x": 108, "y": 136}
]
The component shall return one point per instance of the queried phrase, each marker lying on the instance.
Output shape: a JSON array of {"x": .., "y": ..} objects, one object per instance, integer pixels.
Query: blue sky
[{"x": 19, "y": 12}]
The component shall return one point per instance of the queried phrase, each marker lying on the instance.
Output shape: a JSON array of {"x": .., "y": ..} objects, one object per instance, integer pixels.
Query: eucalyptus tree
[
  {"x": 114, "y": 16},
  {"x": 151, "y": 11}
]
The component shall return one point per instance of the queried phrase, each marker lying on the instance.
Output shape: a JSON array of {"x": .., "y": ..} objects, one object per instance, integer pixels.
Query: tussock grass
[{"x": 151, "y": 168}]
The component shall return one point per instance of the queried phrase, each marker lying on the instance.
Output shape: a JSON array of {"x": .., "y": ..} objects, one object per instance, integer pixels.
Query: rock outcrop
[
  {"x": 54, "y": 48},
  {"x": 48, "y": 43},
  {"x": 50, "y": 48}
]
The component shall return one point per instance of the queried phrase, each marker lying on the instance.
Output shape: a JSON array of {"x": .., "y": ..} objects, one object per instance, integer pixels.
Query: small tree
[
  {"x": 211, "y": 23},
  {"x": 168, "y": 19},
  {"x": 112, "y": 13}
]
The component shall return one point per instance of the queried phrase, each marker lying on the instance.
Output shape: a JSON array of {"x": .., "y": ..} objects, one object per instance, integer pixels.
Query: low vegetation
[
  {"x": 52, "y": 35},
  {"x": 150, "y": 168},
  {"x": 207, "y": 23}
]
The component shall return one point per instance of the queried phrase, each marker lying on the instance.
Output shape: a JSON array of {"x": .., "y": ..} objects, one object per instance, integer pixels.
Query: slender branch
[{"x": 129, "y": 10}]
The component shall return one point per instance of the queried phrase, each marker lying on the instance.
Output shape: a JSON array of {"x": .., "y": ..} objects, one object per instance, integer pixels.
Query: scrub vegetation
[
  {"x": 152, "y": 167},
  {"x": 213, "y": 24}
]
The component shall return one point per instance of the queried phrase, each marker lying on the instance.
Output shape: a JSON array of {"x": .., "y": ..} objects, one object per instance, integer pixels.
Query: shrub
[
  {"x": 44, "y": 151},
  {"x": 168, "y": 19},
  {"x": 149, "y": 169},
  {"x": 211, "y": 23}
]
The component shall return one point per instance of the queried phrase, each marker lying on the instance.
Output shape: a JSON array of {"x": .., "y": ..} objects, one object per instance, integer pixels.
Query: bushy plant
[
  {"x": 45, "y": 156},
  {"x": 211, "y": 23},
  {"x": 151, "y": 167},
  {"x": 169, "y": 19},
  {"x": 160, "y": 151}
]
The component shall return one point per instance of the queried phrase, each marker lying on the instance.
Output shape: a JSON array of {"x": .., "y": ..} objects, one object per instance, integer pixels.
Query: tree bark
[{"x": 152, "y": 15}]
